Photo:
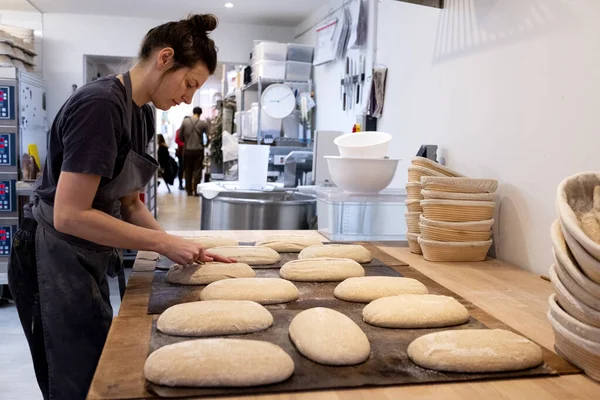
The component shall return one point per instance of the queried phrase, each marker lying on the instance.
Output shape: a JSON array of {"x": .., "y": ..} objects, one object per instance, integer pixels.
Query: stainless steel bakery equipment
[
  {"x": 256, "y": 210},
  {"x": 298, "y": 165},
  {"x": 22, "y": 122},
  {"x": 324, "y": 146}
]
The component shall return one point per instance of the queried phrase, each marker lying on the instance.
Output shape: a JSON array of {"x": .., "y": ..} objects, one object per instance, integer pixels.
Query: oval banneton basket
[
  {"x": 459, "y": 185},
  {"x": 413, "y": 191},
  {"x": 574, "y": 307},
  {"x": 432, "y": 194},
  {"x": 414, "y": 206},
  {"x": 415, "y": 173},
  {"x": 575, "y": 288},
  {"x": 427, "y": 163},
  {"x": 472, "y": 226},
  {"x": 451, "y": 235},
  {"x": 458, "y": 210},
  {"x": 573, "y": 340},
  {"x": 413, "y": 243},
  {"x": 413, "y": 222},
  {"x": 454, "y": 251},
  {"x": 578, "y": 207}
]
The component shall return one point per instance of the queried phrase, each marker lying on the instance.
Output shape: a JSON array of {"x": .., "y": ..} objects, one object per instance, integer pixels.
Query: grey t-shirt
[
  {"x": 88, "y": 135},
  {"x": 192, "y": 133}
]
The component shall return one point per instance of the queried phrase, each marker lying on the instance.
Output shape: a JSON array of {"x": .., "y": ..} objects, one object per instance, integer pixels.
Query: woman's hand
[{"x": 186, "y": 252}]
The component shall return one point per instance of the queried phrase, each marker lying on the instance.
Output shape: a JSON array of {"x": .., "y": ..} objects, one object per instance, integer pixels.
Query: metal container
[{"x": 255, "y": 210}]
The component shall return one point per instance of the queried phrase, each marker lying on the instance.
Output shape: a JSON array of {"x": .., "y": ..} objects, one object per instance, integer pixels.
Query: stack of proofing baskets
[
  {"x": 575, "y": 307},
  {"x": 451, "y": 220}
]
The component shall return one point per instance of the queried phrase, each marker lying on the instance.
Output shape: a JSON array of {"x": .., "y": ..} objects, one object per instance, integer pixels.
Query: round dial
[{"x": 278, "y": 101}]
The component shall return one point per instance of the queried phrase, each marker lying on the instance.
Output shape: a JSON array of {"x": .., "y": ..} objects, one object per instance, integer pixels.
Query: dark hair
[
  {"x": 197, "y": 111},
  {"x": 160, "y": 139},
  {"x": 189, "y": 40}
]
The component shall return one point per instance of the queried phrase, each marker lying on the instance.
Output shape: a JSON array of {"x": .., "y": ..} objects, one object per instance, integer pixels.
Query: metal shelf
[{"x": 252, "y": 86}]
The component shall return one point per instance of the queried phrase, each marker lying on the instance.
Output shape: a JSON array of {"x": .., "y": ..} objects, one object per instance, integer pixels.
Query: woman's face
[{"x": 178, "y": 86}]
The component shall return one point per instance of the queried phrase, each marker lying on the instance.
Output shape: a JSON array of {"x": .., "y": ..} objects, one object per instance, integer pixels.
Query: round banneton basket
[
  {"x": 427, "y": 163},
  {"x": 459, "y": 185},
  {"x": 432, "y": 194},
  {"x": 412, "y": 222},
  {"x": 589, "y": 299},
  {"x": 413, "y": 191},
  {"x": 576, "y": 308},
  {"x": 458, "y": 210},
  {"x": 565, "y": 261},
  {"x": 472, "y": 226},
  {"x": 577, "y": 198},
  {"x": 454, "y": 251},
  {"x": 413, "y": 243},
  {"x": 574, "y": 340},
  {"x": 415, "y": 173},
  {"x": 451, "y": 235},
  {"x": 414, "y": 206},
  {"x": 588, "y": 264}
]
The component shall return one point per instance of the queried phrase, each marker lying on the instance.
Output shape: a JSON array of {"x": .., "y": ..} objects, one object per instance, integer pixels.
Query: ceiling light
[{"x": 228, "y": 5}]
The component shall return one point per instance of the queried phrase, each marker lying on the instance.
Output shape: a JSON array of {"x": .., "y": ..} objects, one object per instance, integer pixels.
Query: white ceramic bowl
[
  {"x": 361, "y": 175},
  {"x": 363, "y": 144}
]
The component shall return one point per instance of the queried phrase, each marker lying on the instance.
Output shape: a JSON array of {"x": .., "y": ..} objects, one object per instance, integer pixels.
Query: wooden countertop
[{"x": 514, "y": 296}]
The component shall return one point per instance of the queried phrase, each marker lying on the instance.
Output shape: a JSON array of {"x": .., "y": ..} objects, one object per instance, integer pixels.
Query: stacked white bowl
[
  {"x": 575, "y": 307},
  {"x": 419, "y": 168},
  {"x": 362, "y": 166}
]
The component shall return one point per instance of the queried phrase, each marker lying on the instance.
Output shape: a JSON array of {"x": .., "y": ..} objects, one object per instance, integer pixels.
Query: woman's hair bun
[{"x": 203, "y": 22}]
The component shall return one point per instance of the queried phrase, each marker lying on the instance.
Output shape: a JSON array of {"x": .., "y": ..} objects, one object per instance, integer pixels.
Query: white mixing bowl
[
  {"x": 364, "y": 144},
  {"x": 361, "y": 175}
]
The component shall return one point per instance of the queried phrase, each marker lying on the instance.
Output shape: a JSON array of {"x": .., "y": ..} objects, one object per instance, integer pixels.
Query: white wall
[
  {"x": 67, "y": 37},
  {"x": 329, "y": 114},
  {"x": 508, "y": 89}
]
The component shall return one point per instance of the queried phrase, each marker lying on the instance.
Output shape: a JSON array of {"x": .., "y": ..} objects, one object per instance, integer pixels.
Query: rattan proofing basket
[
  {"x": 415, "y": 173},
  {"x": 459, "y": 185},
  {"x": 432, "y": 194},
  {"x": 412, "y": 222},
  {"x": 454, "y": 251},
  {"x": 427, "y": 163},
  {"x": 413, "y": 243},
  {"x": 477, "y": 226},
  {"x": 451, "y": 235},
  {"x": 413, "y": 191},
  {"x": 414, "y": 206},
  {"x": 457, "y": 210}
]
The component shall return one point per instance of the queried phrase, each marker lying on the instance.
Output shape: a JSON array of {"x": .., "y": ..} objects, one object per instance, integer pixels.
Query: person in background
[
  {"x": 179, "y": 154},
  {"x": 167, "y": 164},
  {"x": 87, "y": 205},
  {"x": 193, "y": 130}
]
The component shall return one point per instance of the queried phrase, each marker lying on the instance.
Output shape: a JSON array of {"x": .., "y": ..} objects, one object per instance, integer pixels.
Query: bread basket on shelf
[
  {"x": 454, "y": 251},
  {"x": 430, "y": 164},
  {"x": 569, "y": 302},
  {"x": 413, "y": 222},
  {"x": 413, "y": 243},
  {"x": 431, "y": 194},
  {"x": 413, "y": 191},
  {"x": 415, "y": 173},
  {"x": 414, "y": 206},
  {"x": 477, "y": 226},
  {"x": 459, "y": 185},
  {"x": 458, "y": 210},
  {"x": 452, "y": 235}
]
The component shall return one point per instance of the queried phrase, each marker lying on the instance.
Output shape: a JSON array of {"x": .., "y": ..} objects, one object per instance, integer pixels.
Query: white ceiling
[
  {"x": 258, "y": 12},
  {"x": 16, "y": 5}
]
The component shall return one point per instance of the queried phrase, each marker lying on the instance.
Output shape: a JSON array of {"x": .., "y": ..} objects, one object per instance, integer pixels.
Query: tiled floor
[{"x": 177, "y": 211}]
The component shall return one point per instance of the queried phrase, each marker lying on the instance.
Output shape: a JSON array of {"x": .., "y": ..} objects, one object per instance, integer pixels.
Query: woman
[{"x": 87, "y": 204}]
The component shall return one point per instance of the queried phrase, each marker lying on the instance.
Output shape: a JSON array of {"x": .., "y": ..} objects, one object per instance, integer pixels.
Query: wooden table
[{"x": 512, "y": 295}]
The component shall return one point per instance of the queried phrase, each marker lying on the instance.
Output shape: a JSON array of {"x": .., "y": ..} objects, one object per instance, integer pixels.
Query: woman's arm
[
  {"x": 74, "y": 215},
  {"x": 134, "y": 211}
]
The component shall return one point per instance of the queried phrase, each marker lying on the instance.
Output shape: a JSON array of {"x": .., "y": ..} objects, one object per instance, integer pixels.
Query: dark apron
[{"x": 73, "y": 293}]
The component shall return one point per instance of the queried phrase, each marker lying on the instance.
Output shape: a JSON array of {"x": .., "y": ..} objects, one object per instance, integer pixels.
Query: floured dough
[
  {"x": 289, "y": 243},
  {"x": 208, "y": 242},
  {"x": 590, "y": 221},
  {"x": 329, "y": 337},
  {"x": 250, "y": 255},
  {"x": 352, "y": 251},
  {"x": 214, "y": 318},
  {"x": 321, "y": 270},
  {"x": 260, "y": 290},
  {"x": 475, "y": 351},
  {"x": 368, "y": 288},
  {"x": 218, "y": 363},
  {"x": 203, "y": 274},
  {"x": 410, "y": 311}
]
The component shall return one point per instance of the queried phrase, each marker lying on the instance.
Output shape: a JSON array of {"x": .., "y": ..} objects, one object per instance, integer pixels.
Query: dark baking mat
[
  {"x": 164, "y": 294},
  {"x": 387, "y": 365}
]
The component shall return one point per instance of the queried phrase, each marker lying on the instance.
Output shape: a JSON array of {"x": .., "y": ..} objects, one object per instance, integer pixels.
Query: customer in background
[
  {"x": 168, "y": 165},
  {"x": 192, "y": 134},
  {"x": 179, "y": 154}
]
